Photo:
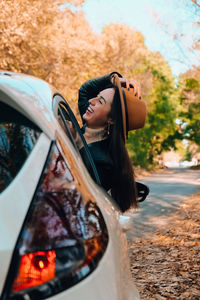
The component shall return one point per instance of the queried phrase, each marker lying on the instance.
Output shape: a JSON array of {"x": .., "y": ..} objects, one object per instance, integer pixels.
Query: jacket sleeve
[{"x": 91, "y": 88}]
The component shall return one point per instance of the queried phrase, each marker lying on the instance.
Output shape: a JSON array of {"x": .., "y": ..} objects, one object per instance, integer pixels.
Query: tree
[
  {"x": 24, "y": 29},
  {"x": 50, "y": 41},
  {"x": 41, "y": 39},
  {"x": 190, "y": 99},
  {"x": 146, "y": 144}
]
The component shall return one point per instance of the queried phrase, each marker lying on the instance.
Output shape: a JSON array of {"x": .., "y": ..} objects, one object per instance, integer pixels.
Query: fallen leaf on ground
[{"x": 166, "y": 265}]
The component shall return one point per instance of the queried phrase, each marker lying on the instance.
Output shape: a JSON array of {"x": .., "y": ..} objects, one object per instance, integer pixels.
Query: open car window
[{"x": 65, "y": 115}]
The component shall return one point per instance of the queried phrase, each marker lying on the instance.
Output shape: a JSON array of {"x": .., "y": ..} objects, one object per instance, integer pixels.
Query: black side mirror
[{"x": 142, "y": 191}]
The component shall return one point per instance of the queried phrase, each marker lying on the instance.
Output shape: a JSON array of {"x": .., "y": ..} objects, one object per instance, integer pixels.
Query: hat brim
[
  {"x": 133, "y": 109},
  {"x": 123, "y": 107}
]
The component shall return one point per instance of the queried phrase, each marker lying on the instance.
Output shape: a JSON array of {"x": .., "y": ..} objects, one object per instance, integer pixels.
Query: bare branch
[{"x": 195, "y": 2}]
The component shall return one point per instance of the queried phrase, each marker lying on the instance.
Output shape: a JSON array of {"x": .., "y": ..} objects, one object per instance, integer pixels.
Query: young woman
[{"x": 110, "y": 106}]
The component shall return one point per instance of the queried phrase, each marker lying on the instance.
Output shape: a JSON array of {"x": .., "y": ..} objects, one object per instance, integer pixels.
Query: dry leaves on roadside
[{"x": 167, "y": 264}]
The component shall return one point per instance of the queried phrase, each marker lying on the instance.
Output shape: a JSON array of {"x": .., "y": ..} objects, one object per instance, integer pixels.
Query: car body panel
[
  {"x": 105, "y": 284},
  {"x": 15, "y": 201},
  {"x": 111, "y": 279},
  {"x": 30, "y": 96}
]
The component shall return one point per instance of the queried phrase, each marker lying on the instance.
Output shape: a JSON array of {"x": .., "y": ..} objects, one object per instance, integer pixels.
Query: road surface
[{"x": 167, "y": 190}]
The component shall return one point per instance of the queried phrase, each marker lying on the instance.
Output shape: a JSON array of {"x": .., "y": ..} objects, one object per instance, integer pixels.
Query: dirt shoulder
[
  {"x": 166, "y": 264},
  {"x": 141, "y": 173}
]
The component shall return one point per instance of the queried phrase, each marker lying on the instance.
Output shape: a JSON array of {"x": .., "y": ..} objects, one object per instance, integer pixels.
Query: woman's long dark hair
[{"x": 124, "y": 188}]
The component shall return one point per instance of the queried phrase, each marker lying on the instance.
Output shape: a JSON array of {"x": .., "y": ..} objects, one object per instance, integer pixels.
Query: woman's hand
[{"x": 130, "y": 83}]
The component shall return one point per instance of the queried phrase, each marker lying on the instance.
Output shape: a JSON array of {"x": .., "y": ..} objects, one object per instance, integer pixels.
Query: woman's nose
[{"x": 92, "y": 101}]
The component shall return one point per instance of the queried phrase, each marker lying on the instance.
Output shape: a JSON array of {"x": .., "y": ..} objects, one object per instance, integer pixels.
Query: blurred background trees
[
  {"x": 188, "y": 87},
  {"x": 48, "y": 40}
]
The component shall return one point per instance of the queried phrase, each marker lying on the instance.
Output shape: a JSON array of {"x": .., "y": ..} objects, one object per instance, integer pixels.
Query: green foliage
[
  {"x": 59, "y": 46},
  {"x": 190, "y": 98},
  {"x": 157, "y": 136},
  {"x": 191, "y": 83}
]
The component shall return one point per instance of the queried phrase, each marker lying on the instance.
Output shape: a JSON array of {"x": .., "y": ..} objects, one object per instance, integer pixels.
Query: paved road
[{"x": 167, "y": 190}]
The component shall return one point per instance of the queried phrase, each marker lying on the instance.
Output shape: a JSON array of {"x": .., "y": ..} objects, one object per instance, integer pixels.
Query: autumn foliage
[
  {"x": 166, "y": 264},
  {"x": 46, "y": 39}
]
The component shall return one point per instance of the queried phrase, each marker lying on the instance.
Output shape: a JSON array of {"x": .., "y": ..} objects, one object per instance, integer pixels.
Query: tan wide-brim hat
[{"x": 134, "y": 110}]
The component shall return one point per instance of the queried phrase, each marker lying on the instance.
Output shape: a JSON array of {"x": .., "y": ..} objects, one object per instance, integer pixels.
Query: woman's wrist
[{"x": 112, "y": 77}]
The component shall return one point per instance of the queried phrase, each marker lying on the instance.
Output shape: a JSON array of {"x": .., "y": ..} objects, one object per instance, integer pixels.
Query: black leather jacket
[{"x": 99, "y": 150}]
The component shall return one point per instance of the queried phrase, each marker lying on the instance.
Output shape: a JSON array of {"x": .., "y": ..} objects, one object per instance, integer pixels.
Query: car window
[
  {"x": 18, "y": 135},
  {"x": 68, "y": 121}
]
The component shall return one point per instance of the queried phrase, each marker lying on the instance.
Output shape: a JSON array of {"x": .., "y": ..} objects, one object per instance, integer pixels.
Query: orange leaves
[{"x": 167, "y": 264}]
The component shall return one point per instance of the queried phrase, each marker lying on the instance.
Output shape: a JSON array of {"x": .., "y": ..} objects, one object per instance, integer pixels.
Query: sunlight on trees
[{"x": 58, "y": 45}]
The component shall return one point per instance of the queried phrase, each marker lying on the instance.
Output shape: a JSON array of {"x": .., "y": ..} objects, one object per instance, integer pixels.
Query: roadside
[
  {"x": 141, "y": 173},
  {"x": 165, "y": 264},
  {"x": 168, "y": 188}
]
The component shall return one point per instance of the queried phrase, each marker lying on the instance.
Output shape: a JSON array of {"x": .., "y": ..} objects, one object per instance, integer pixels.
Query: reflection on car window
[
  {"x": 17, "y": 138},
  {"x": 70, "y": 125},
  {"x": 66, "y": 123}
]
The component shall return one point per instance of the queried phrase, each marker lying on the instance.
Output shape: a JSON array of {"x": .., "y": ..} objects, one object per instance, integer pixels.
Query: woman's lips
[{"x": 89, "y": 110}]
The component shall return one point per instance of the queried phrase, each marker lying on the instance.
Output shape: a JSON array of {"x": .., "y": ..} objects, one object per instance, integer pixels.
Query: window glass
[
  {"x": 67, "y": 124},
  {"x": 17, "y": 138},
  {"x": 70, "y": 125}
]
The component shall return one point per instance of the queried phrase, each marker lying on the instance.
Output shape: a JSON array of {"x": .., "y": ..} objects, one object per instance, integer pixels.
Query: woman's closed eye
[{"x": 101, "y": 98}]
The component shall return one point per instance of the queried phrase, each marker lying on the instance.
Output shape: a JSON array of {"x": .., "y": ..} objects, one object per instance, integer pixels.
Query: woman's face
[{"x": 97, "y": 113}]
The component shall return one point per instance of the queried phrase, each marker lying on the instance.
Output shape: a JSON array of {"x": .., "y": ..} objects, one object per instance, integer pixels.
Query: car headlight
[{"x": 63, "y": 238}]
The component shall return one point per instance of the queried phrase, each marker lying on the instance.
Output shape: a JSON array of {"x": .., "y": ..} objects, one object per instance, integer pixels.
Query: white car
[{"x": 61, "y": 235}]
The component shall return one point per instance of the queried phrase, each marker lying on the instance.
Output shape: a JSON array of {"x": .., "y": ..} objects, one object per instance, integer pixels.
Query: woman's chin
[{"x": 86, "y": 119}]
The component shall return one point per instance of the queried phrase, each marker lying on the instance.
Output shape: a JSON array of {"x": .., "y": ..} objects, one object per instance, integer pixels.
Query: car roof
[{"x": 30, "y": 96}]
